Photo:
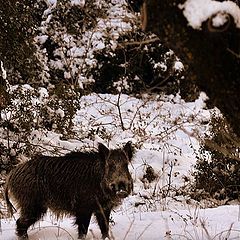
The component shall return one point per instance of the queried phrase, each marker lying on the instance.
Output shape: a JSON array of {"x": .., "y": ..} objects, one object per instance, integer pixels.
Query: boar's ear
[
  {"x": 128, "y": 149},
  {"x": 103, "y": 151}
]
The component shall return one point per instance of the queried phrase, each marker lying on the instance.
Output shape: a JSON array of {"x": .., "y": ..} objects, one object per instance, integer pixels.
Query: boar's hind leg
[
  {"x": 103, "y": 221},
  {"x": 27, "y": 218},
  {"x": 83, "y": 220}
]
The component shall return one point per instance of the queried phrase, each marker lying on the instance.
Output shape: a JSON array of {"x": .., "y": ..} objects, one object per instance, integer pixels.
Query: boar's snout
[{"x": 121, "y": 188}]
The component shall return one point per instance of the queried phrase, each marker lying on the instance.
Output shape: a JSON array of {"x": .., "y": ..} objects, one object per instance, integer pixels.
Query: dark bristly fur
[{"x": 78, "y": 184}]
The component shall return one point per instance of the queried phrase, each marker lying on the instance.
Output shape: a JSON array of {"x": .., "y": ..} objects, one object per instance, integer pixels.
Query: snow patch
[
  {"x": 51, "y": 2},
  {"x": 178, "y": 66},
  {"x": 198, "y": 11},
  {"x": 219, "y": 20},
  {"x": 4, "y": 73},
  {"x": 81, "y": 3}
]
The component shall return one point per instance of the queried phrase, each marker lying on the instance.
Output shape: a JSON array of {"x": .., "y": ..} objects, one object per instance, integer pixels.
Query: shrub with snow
[{"x": 66, "y": 48}]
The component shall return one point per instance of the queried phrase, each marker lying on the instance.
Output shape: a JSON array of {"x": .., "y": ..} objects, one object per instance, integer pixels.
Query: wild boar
[{"x": 78, "y": 184}]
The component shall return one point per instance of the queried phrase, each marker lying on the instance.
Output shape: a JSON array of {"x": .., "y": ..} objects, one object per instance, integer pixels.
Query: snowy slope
[
  {"x": 190, "y": 223},
  {"x": 165, "y": 146}
]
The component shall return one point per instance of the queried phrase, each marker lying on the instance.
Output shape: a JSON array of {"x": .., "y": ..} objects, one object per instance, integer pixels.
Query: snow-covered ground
[
  {"x": 166, "y": 132},
  {"x": 189, "y": 223}
]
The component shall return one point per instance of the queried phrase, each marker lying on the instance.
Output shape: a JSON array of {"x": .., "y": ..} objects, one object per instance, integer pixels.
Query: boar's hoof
[{"x": 23, "y": 237}]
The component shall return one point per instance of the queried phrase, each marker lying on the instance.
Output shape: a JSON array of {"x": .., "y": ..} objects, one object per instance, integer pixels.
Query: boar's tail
[{"x": 10, "y": 207}]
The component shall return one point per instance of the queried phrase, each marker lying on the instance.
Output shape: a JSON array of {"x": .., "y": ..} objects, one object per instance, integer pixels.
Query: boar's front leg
[
  {"x": 103, "y": 221},
  {"x": 83, "y": 221}
]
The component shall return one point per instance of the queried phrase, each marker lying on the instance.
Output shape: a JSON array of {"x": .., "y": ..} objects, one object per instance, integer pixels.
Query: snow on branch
[
  {"x": 198, "y": 11},
  {"x": 3, "y": 71}
]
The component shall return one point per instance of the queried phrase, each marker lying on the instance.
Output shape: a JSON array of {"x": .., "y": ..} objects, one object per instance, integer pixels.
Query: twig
[
  {"x": 169, "y": 179},
  {"x": 61, "y": 228},
  {"x": 237, "y": 55},
  {"x": 145, "y": 42},
  {"x": 125, "y": 236},
  {"x": 214, "y": 146},
  {"x": 119, "y": 111},
  {"x": 205, "y": 229},
  {"x": 144, "y": 230}
]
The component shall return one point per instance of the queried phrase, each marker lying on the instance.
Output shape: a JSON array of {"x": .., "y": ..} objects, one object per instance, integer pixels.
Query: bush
[
  {"x": 31, "y": 110},
  {"x": 217, "y": 170},
  {"x": 65, "y": 48},
  {"x": 17, "y": 49},
  {"x": 140, "y": 64},
  {"x": 45, "y": 44}
]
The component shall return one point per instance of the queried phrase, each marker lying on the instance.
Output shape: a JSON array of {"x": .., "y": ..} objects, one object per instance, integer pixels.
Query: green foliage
[
  {"x": 76, "y": 19},
  {"x": 31, "y": 110},
  {"x": 18, "y": 23},
  {"x": 217, "y": 170},
  {"x": 104, "y": 53},
  {"x": 140, "y": 64},
  {"x": 44, "y": 44}
]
